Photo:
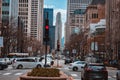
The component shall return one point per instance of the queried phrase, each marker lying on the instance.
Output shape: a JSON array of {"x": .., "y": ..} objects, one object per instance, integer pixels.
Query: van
[{"x": 26, "y": 63}]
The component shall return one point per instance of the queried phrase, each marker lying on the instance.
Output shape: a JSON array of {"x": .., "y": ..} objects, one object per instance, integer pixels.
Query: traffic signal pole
[{"x": 46, "y": 38}]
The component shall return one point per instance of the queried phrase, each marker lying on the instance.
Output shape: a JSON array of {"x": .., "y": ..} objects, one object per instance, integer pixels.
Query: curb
[
  {"x": 112, "y": 68},
  {"x": 70, "y": 78}
]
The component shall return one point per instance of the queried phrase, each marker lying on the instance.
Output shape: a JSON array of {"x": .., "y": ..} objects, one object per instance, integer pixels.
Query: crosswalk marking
[
  {"x": 74, "y": 75},
  {"x": 18, "y": 73},
  {"x": 114, "y": 76},
  {"x": 6, "y": 73}
]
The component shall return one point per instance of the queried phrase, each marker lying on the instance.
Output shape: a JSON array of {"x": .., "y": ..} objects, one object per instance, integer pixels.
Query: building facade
[
  {"x": 31, "y": 12},
  {"x": 0, "y": 15},
  {"x": 75, "y": 17},
  {"x": 112, "y": 29},
  {"x": 94, "y": 14}
]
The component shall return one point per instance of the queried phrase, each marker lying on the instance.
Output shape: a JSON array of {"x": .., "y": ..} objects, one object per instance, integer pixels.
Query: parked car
[
  {"x": 26, "y": 63},
  {"x": 3, "y": 65},
  {"x": 118, "y": 75},
  {"x": 94, "y": 71},
  {"x": 68, "y": 60},
  {"x": 6, "y": 60},
  {"x": 76, "y": 66}
]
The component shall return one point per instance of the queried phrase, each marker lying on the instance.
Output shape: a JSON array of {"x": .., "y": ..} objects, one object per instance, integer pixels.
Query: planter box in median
[{"x": 63, "y": 76}]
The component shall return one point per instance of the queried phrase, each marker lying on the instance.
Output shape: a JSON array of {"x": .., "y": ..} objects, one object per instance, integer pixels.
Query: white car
[
  {"x": 26, "y": 63},
  {"x": 6, "y": 60},
  {"x": 77, "y": 65}
]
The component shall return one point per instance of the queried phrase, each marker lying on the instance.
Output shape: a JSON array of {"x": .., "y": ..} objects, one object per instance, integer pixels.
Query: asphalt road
[{"x": 13, "y": 74}]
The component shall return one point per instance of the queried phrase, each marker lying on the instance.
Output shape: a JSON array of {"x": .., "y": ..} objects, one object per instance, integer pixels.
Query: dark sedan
[
  {"x": 3, "y": 65},
  {"x": 68, "y": 60},
  {"x": 94, "y": 71}
]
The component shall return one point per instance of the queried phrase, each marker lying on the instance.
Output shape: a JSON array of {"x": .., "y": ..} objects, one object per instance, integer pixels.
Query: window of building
[{"x": 94, "y": 15}]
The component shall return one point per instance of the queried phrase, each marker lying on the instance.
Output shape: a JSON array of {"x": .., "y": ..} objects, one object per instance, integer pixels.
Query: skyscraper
[
  {"x": 0, "y": 14},
  {"x": 31, "y": 13},
  {"x": 5, "y": 12},
  {"x": 58, "y": 30},
  {"x": 75, "y": 17}
]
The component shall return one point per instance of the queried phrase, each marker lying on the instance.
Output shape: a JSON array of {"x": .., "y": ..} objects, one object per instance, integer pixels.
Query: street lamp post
[{"x": 94, "y": 44}]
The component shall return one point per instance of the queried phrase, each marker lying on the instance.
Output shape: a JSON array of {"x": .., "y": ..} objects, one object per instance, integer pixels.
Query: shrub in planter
[{"x": 44, "y": 72}]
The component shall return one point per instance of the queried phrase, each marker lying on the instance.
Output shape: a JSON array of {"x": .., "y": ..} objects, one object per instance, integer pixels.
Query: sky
[{"x": 58, "y": 6}]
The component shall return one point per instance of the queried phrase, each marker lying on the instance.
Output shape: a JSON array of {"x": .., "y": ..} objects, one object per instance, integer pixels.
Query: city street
[{"x": 13, "y": 74}]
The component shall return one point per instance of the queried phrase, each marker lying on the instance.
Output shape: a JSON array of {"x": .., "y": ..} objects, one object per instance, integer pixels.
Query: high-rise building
[
  {"x": 58, "y": 30},
  {"x": 49, "y": 11},
  {"x": 75, "y": 17},
  {"x": 0, "y": 20},
  {"x": 0, "y": 15},
  {"x": 5, "y": 12},
  {"x": 31, "y": 14},
  {"x": 113, "y": 29}
]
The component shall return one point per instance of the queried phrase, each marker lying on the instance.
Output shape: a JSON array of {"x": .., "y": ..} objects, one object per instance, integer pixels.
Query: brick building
[
  {"x": 94, "y": 13},
  {"x": 113, "y": 28}
]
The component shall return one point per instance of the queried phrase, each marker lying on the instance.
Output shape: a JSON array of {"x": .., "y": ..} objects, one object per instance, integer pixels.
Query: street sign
[
  {"x": 74, "y": 51},
  {"x": 1, "y": 41}
]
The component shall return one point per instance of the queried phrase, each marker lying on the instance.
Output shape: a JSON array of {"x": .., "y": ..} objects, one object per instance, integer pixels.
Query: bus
[{"x": 16, "y": 55}]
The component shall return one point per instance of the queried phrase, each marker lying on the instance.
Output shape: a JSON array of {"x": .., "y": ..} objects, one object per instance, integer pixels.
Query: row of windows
[
  {"x": 23, "y": 5},
  {"x": 23, "y": 1},
  {"x": 5, "y": 4},
  {"x": 95, "y": 15},
  {"x": 5, "y": 12},
  {"x": 80, "y": 1},
  {"x": 23, "y": 9},
  {"x": 23, "y": 13}
]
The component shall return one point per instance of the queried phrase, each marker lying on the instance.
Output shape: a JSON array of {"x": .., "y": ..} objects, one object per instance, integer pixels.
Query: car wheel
[
  {"x": 1, "y": 68},
  {"x": 38, "y": 66},
  {"x": 20, "y": 67},
  {"x": 82, "y": 79},
  {"x": 75, "y": 68}
]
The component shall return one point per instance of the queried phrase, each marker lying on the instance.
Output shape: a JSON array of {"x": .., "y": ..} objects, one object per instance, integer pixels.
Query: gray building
[{"x": 75, "y": 17}]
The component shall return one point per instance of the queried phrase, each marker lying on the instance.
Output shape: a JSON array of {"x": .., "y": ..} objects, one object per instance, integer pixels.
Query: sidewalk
[
  {"x": 58, "y": 63},
  {"x": 111, "y": 68}
]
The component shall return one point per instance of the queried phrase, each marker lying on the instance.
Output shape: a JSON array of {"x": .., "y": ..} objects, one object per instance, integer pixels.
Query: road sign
[{"x": 1, "y": 41}]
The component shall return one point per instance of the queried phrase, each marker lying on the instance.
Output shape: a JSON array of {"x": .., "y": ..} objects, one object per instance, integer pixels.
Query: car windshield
[{"x": 97, "y": 67}]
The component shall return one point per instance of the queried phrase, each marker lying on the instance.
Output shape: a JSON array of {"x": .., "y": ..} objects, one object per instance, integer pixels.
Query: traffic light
[
  {"x": 47, "y": 28},
  {"x": 58, "y": 46}
]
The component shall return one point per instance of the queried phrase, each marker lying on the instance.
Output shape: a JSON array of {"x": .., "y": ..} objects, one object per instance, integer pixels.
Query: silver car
[{"x": 26, "y": 63}]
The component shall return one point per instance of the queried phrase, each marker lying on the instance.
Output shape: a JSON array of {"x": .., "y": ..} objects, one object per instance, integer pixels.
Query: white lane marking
[
  {"x": 6, "y": 73},
  {"x": 109, "y": 77},
  {"x": 18, "y": 73},
  {"x": 114, "y": 76},
  {"x": 66, "y": 68},
  {"x": 74, "y": 75}
]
